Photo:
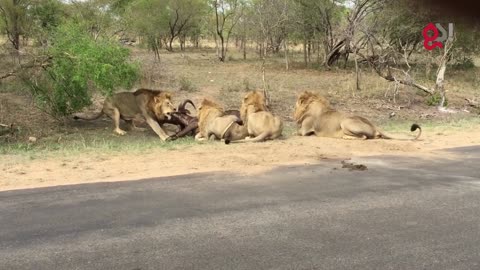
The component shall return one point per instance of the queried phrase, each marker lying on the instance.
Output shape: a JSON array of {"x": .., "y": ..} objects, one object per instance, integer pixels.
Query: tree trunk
[
  {"x": 357, "y": 71},
  {"x": 309, "y": 51},
  {"x": 285, "y": 44},
  {"x": 439, "y": 84},
  {"x": 305, "y": 56},
  {"x": 265, "y": 87},
  {"x": 170, "y": 46},
  {"x": 244, "y": 44},
  {"x": 182, "y": 40},
  {"x": 222, "y": 52}
]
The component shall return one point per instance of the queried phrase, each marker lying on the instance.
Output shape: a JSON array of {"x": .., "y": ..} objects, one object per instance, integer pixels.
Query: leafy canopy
[{"x": 79, "y": 65}]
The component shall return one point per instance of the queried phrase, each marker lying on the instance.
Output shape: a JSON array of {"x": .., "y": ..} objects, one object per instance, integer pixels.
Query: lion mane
[
  {"x": 304, "y": 104},
  {"x": 261, "y": 124},
  {"x": 314, "y": 115},
  {"x": 253, "y": 102},
  {"x": 152, "y": 105},
  {"x": 208, "y": 111}
]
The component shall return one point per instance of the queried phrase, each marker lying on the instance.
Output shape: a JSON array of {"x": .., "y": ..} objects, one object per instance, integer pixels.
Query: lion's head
[
  {"x": 206, "y": 112},
  {"x": 306, "y": 101},
  {"x": 162, "y": 105},
  {"x": 253, "y": 102}
]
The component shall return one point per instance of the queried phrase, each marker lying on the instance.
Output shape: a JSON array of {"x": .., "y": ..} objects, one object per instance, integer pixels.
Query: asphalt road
[{"x": 401, "y": 213}]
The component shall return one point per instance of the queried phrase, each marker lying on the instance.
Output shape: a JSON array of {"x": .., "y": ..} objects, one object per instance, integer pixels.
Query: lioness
[
  {"x": 152, "y": 105},
  {"x": 315, "y": 115},
  {"x": 261, "y": 124},
  {"x": 214, "y": 124}
]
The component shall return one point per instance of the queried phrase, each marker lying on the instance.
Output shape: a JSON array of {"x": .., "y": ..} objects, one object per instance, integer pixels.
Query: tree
[
  {"x": 76, "y": 65},
  {"x": 96, "y": 15},
  {"x": 45, "y": 15},
  {"x": 183, "y": 15},
  {"x": 361, "y": 10},
  {"x": 14, "y": 16},
  {"x": 160, "y": 22},
  {"x": 145, "y": 18},
  {"x": 382, "y": 45},
  {"x": 227, "y": 15},
  {"x": 322, "y": 18}
]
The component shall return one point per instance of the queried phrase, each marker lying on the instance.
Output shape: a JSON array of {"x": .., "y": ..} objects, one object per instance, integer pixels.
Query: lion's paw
[{"x": 120, "y": 132}]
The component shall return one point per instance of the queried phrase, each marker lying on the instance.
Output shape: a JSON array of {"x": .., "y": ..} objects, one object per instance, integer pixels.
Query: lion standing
[
  {"x": 315, "y": 115},
  {"x": 261, "y": 124},
  {"x": 152, "y": 105}
]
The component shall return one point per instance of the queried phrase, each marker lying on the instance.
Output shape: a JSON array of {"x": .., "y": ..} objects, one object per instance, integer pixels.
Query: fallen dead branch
[
  {"x": 7, "y": 129},
  {"x": 473, "y": 103}
]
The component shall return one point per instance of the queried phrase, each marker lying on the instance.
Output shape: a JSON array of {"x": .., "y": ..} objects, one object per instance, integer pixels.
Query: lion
[
  {"x": 154, "y": 106},
  {"x": 213, "y": 123},
  {"x": 261, "y": 124},
  {"x": 315, "y": 116}
]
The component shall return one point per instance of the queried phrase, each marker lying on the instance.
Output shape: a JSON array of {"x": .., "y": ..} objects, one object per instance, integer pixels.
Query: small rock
[{"x": 32, "y": 139}]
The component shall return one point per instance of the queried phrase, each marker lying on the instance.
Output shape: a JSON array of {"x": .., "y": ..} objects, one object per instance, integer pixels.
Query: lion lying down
[
  {"x": 315, "y": 115},
  {"x": 152, "y": 105},
  {"x": 261, "y": 124},
  {"x": 214, "y": 123}
]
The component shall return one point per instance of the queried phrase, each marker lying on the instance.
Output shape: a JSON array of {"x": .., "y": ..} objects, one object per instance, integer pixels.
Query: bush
[
  {"x": 247, "y": 85},
  {"x": 465, "y": 63},
  {"x": 187, "y": 85},
  {"x": 79, "y": 65},
  {"x": 435, "y": 99}
]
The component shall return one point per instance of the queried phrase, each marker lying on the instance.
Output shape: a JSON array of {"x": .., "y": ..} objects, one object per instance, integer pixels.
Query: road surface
[{"x": 401, "y": 213}]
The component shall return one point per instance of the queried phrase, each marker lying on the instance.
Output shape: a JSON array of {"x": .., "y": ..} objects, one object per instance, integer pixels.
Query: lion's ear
[
  {"x": 168, "y": 95},
  {"x": 304, "y": 97},
  {"x": 157, "y": 99}
]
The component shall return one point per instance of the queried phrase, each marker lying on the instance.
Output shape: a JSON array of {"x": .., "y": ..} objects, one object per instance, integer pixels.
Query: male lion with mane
[
  {"x": 213, "y": 123},
  {"x": 152, "y": 105},
  {"x": 315, "y": 115},
  {"x": 261, "y": 124}
]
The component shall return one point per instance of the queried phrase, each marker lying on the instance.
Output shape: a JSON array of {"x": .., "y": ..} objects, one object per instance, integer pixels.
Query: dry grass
[{"x": 227, "y": 83}]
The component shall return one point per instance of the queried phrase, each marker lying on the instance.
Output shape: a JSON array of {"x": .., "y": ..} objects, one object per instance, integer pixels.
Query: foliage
[
  {"x": 435, "y": 99},
  {"x": 96, "y": 15},
  {"x": 187, "y": 85},
  {"x": 160, "y": 22},
  {"x": 15, "y": 23},
  {"x": 227, "y": 14},
  {"x": 80, "y": 64},
  {"x": 45, "y": 16}
]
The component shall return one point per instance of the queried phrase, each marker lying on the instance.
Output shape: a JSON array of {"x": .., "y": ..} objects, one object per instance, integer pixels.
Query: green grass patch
[
  {"x": 93, "y": 143},
  {"x": 452, "y": 124}
]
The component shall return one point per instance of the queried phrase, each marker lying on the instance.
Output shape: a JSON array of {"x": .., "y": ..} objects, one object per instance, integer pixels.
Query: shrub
[
  {"x": 187, "y": 85},
  {"x": 435, "y": 99},
  {"x": 79, "y": 65}
]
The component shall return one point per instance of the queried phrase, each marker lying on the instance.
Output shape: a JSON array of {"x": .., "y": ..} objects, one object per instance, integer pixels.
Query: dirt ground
[
  {"x": 196, "y": 75},
  {"x": 19, "y": 173}
]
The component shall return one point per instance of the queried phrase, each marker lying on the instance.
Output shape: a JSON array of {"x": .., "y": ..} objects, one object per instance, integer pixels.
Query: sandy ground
[{"x": 18, "y": 172}]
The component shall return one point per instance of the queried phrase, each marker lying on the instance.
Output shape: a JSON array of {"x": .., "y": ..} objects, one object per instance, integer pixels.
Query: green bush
[
  {"x": 435, "y": 99},
  {"x": 80, "y": 64}
]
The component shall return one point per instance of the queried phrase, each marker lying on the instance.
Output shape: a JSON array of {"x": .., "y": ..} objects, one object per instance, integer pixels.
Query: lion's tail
[
  {"x": 226, "y": 134},
  {"x": 413, "y": 128},
  {"x": 88, "y": 118},
  {"x": 261, "y": 137}
]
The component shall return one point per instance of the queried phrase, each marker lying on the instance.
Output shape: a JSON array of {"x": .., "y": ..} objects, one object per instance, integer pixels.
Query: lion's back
[{"x": 127, "y": 103}]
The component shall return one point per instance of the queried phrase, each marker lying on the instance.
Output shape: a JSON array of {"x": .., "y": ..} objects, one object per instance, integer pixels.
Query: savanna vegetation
[{"x": 367, "y": 56}]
